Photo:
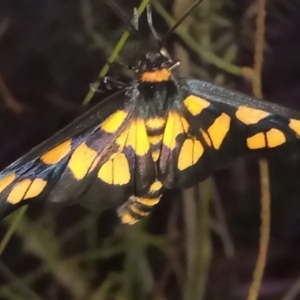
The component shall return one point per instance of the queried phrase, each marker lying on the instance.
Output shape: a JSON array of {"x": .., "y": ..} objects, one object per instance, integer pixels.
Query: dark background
[{"x": 50, "y": 51}]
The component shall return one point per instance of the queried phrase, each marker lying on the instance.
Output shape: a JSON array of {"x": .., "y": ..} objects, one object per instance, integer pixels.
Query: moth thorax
[
  {"x": 155, "y": 130},
  {"x": 156, "y": 98}
]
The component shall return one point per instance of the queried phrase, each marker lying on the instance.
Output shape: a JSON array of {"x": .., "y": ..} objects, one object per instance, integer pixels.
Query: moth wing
[
  {"x": 222, "y": 125},
  {"x": 56, "y": 162},
  {"x": 128, "y": 170}
]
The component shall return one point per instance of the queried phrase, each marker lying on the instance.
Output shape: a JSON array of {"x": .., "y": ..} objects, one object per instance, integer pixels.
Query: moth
[{"x": 158, "y": 132}]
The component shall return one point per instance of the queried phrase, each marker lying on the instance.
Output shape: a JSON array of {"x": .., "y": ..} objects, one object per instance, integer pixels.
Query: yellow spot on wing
[
  {"x": 295, "y": 126},
  {"x": 249, "y": 115},
  {"x": 189, "y": 154},
  {"x": 275, "y": 138},
  {"x": 113, "y": 122},
  {"x": 195, "y": 104},
  {"x": 138, "y": 138},
  {"x": 26, "y": 189},
  {"x": 175, "y": 126},
  {"x": 256, "y": 141},
  {"x": 18, "y": 191},
  {"x": 115, "y": 171},
  {"x": 122, "y": 170},
  {"x": 6, "y": 181},
  {"x": 57, "y": 153},
  {"x": 81, "y": 161},
  {"x": 36, "y": 188},
  {"x": 218, "y": 130}
]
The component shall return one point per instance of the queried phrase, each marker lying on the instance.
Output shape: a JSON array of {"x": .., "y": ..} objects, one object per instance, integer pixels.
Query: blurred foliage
[{"x": 199, "y": 244}]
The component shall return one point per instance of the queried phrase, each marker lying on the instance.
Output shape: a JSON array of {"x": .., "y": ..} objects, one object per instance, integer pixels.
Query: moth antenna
[
  {"x": 135, "y": 19},
  {"x": 150, "y": 24},
  {"x": 133, "y": 24},
  {"x": 174, "y": 27}
]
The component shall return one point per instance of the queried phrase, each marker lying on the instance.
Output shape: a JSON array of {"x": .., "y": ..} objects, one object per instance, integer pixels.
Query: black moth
[{"x": 160, "y": 131}]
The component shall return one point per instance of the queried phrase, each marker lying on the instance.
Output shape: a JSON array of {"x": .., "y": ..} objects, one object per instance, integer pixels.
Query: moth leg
[
  {"x": 111, "y": 83},
  {"x": 136, "y": 207}
]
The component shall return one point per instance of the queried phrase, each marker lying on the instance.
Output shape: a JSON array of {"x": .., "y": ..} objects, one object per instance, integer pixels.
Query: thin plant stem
[
  {"x": 263, "y": 164},
  {"x": 12, "y": 228}
]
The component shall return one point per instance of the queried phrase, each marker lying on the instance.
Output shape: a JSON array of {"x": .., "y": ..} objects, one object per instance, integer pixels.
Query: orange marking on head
[
  {"x": 156, "y": 75},
  {"x": 6, "y": 181},
  {"x": 57, "y": 153}
]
